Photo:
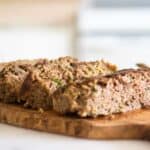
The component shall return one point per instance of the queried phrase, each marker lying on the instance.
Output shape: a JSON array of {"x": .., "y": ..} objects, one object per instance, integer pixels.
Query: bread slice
[
  {"x": 42, "y": 82},
  {"x": 120, "y": 92},
  {"x": 12, "y": 75}
]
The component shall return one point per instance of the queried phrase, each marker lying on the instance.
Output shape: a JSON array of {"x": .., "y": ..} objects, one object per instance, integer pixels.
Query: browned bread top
[{"x": 91, "y": 69}]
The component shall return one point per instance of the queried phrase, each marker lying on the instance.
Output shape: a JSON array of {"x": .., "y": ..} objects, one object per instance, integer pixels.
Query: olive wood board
[{"x": 131, "y": 125}]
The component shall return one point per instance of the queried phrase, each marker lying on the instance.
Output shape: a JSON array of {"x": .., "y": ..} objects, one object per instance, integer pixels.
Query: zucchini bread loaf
[
  {"x": 43, "y": 81},
  {"x": 12, "y": 75},
  {"x": 122, "y": 91}
]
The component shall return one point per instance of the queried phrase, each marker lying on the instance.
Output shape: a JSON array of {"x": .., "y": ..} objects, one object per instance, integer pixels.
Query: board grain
[{"x": 132, "y": 125}]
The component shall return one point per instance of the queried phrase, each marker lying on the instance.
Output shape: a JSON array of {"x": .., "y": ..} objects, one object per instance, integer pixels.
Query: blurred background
[{"x": 115, "y": 30}]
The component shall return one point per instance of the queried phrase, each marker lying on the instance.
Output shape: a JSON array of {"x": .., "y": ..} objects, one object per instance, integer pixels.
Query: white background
[
  {"x": 12, "y": 138},
  {"x": 33, "y": 42},
  {"x": 120, "y": 35}
]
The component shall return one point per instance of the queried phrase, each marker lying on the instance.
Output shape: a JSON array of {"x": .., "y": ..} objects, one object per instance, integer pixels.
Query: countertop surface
[{"x": 13, "y": 138}]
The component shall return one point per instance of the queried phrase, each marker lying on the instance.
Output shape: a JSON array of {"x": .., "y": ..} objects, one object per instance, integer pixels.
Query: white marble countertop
[{"x": 13, "y": 138}]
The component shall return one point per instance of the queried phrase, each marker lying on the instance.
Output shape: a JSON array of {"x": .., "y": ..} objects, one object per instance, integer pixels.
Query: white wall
[
  {"x": 120, "y": 35},
  {"x": 37, "y": 42}
]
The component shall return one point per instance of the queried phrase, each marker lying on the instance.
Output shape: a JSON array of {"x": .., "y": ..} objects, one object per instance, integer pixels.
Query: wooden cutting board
[{"x": 133, "y": 125}]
